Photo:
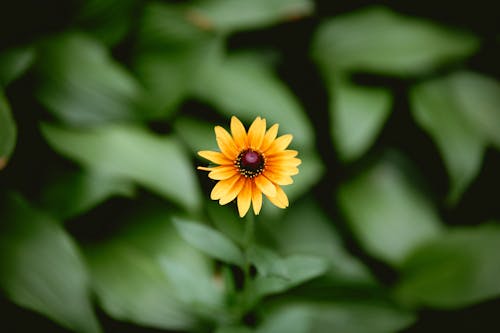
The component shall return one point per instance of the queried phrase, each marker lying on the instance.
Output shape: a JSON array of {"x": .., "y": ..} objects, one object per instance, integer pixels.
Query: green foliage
[
  {"x": 381, "y": 41},
  {"x": 42, "y": 268},
  {"x": 388, "y": 215},
  {"x": 102, "y": 210},
  {"x": 456, "y": 270},
  {"x": 8, "y": 131}
]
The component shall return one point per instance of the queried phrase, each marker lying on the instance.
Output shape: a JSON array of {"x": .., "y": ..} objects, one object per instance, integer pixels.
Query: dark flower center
[{"x": 250, "y": 163}]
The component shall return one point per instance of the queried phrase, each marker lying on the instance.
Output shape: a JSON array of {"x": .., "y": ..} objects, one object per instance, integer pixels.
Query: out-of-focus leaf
[
  {"x": 458, "y": 269},
  {"x": 14, "y": 62},
  {"x": 209, "y": 241},
  {"x": 267, "y": 262},
  {"x": 133, "y": 153},
  {"x": 443, "y": 106},
  {"x": 82, "y": 85},
  {"x": 299, "y": 268},
  {"x": 234, "y": 329},
  {"x": 478, "y": 99},
  {"x": 231, "y": 15},
  {"x": 365, "y": 316},
  {"x": 378, "y": 40},
  {"x": 41, "y": 268},
  {"x": 178, "y": 287},
  {"x": 8, "y": 131},
  {"x": 388, "y": 215},
  {"x": 305, "y": 229},
  {"x": 197, "y": 134},
  {"x": 133, "y": 287},
  {"x": 170, "y": 55},
  {"x": 107, "y": 20},
  {"x": 357, "y": 115},
  {"x": 244, "y": 86},
  {"x": 75, "y": 192},
  {"x": 227, "y": 221}
]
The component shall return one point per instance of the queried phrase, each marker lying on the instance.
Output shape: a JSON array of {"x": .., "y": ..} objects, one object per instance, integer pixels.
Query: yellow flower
[{"x": 250, "y": 164}]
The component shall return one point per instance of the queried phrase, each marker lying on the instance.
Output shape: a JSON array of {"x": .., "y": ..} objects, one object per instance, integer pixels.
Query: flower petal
[
  {"x": 283, "y": 169},
  {"x": 215, "y": 157},
  {"x": 279, "y": 144},
  {"x": 245, "y": 198},
  {"x": 222, "y": 187},
  {"x": 223, "y": 172},
  {"x": 269, "y": 137},
  {"x": 256, "y": 199},
  {"x": 256, "y": 133},
  {"x": 266, "y": 186},
  {"x": 280, "y": 199},
  {"x": 278, "y": 162},
  {"x": 282, "y": 154},
  {"x": 278, "y": 178},
  {"x": 239, "y": 133},
  {"x": 226, "y": 143},
  {"x": 233, "y": 191}
]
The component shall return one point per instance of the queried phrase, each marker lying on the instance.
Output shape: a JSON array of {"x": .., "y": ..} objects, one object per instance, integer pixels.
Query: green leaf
[
  {"x": 155, "y": 162},
  {"x": 8, "y": 131},
  {"x": 267, "y": 262},
  {"x": 107, "y": 20},
  {"x": 305, "y": 229},
  {"x": 362, "y": 316},
  {"x": 357, "y": 116},
  {"x": 76, "y": 192},
  {"x": 82, "y": 85},
  {"x": 458, "y": 269},
  {"x": 14, "y": 62},
  {"x": 227, "y": 221},
  {"x": 231, "y": 15},
  {"x": 380, "y": 41},
  {"x": 164, "y": 281},
  {"x": 41, "y": 268},
  {"x": 209, "y": 241},
  {"x": 446, "y": 109},
  {"x": 171, "y": 54},
  {"x": 388, "y": 215},
  {"x": 244, "y": 86},
  {"x": 132, "y": 287},
  {"x": 299, "y": 269},
  {"x": 198, "y": 135}
]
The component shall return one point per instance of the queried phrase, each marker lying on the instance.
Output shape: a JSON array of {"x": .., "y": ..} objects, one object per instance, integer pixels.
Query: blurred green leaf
[
  {"x": 8, "y": 131},
  {"x": 14, "y": 62},
  {"x": 107, "y": 20},
  {"x": 362, "y": 316},
  {"x": 73, "y": 193},
  {"x": 234, "y": 329},
  {"x": 171, "y": 54},
  {"x": 357, "y": 116},
  {"x": 132, "y": 287},
  {"x": 82, "y": 85},
  {"x": 155, "y": 162},
  {"x": 189, "y": 288},
  {"x": 231, "y": 15},
  {"x": 478, "y": 99},
  {"x": 441, "y": 107},
  {"x": 41, "y": 268},
  {"x": 388, "y": 215},
  {"x": 267, "y": 262},
  {"x": 227, "y": 221},
  {"x": 209, "y": 241},
  {"x": 299, "y": 268},
  {"x": 305, "y": 229},
  {"x": 197, "y": 134},
  {"x": 244, "y": 86},
  {"x": 378, "y": 40},
  {"x": 456, "y": 270}
]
